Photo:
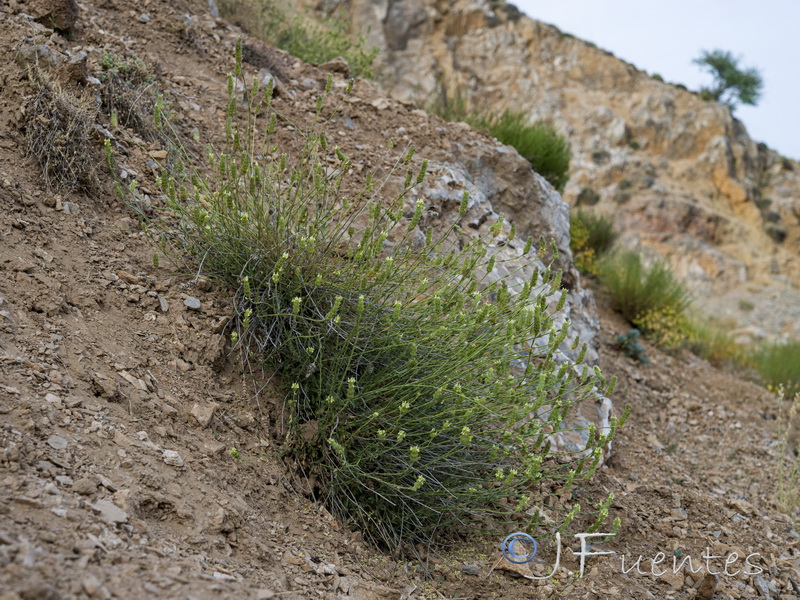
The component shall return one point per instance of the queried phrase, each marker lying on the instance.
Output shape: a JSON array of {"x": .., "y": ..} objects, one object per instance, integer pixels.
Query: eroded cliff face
[{"x": 680, "y": 176}]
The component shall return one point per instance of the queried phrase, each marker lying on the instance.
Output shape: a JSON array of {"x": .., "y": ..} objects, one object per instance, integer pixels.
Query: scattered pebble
[
  {"x": 172, "y": 458},
  {"x": 110, "y": 512},
  {"x": 192, "y": 303},
  {"x": 56, "y": 442}
]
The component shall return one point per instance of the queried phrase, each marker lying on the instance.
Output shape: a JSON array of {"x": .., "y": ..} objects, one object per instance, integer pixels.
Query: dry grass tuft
[
  {"x": 129, "y": 93},
  {"x": 58, "y": 134}
]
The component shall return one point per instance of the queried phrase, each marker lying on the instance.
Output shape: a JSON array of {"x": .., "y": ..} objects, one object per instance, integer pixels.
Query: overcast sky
[{"x": 664, "y": 36}]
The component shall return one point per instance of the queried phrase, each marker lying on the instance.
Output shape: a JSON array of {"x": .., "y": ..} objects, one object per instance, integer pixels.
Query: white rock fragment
[{"x": 172, "y": 458}]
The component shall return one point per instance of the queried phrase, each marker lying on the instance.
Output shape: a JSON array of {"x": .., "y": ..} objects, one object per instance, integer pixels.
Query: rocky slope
[
  {"x": 119, "y": 402},
  {"x": 680, "y": 176}
]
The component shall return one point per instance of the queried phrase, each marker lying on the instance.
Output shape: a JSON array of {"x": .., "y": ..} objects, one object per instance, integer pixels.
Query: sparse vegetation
[
  {"x": 300, "y": 36},
  {"x": 714, "y": 344},
  {"x": 631, "y": 346},
  {"x": 650, "y": 297},
  {"x": 591, "y": 236},
  {"x": 539, "y": 143},
  {"x": 588, "y": 197},
  {"x": 788, "y": 467},
  {"x": 406, "y": 401},
  {"x": 58, "y": 134},
  {"x": 129, "y": 93},
  {"x": 779, "y": 366}
]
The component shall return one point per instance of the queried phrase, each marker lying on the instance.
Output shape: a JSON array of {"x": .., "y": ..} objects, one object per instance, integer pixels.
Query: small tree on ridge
[{"x": 731, "y": 83}]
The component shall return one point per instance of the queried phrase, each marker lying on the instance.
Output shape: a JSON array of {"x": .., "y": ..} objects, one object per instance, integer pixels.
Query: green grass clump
[
  {"x": 539, "y": 143},
  {"x": 300, "y": 37},
  {"x": 714, "y": 344},
  {"x": 651, "y": 298},
  {"x": 591, "y": 237},
  {"x": 788, "y": 470},
  {"x": 779, "y": 366},
  {"x": 421, "y": 386}
]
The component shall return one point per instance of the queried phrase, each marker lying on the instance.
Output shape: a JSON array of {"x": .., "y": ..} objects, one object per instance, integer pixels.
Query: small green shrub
[
  {"x": 587, "y": 197},
  {"x": 779, "y": 365},
  {"x": 638, "y": 292},
  {"x": 631, "y": 346},
  {"x": 591, "y": 237},
  {"x": 540, "y": 144},
  {"x": 657, "y": 77},
  {"x": 746, "y": 306},
  {"x": 421, "y": 392},
  {"x": 299, "y": 37}
]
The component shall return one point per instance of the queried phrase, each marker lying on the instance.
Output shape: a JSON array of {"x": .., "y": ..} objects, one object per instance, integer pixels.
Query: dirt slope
[{"x": 116, "y": 416}]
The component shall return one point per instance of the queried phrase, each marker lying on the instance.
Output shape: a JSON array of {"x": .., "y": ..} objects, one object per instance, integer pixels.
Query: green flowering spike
[
  {"x": 414, "y": 454},
  {"x": 235, "y": 453},
  {"x": 569, "y": 518},
  {"x": 109, "y": 155},
  {"x": 238, "y": 56},
  {"x": 513, "y": 232},
  {"x": 528, "y": 246},
  {"x": 338, "y": 448},
  {"x": 490, "y": 264},
  {"x": 401, "y": 435},
  {"x": 349, "y": 87},
  {"x": 296, "y": 301},
  {"x": 409, "y": 155},
  {"x": 582, "y": 355},
  {"x": 351, "y": 387},
  {"x": 155, "y": 260},
  {"x": 417, "y": 215},
  {"x": 246, "y": 287},
  {"x": 462, "y": 210},
  {"x": 418, "y": 483},
  {"x": 423, "y": 169},
  {"x": 246, "y": 322},
  {"x": 329, "y": 83},
  {"x": 234, "y": 338},
  {"x": 158, "y": 112},
  {"x": 599, "y": 374},
  {"x": 611, "y": 385},
  {"x": 466, "y": 436},
  {"x": 562, "y": 300}
]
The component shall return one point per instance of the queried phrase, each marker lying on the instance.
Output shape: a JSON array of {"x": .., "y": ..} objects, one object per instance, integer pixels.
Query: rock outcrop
[{"x": 679, "y": 175}]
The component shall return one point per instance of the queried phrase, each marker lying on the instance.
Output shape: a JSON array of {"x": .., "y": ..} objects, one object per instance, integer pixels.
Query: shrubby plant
[
  {"x": 128, "y": 93},
  {"x": 299, "y": 37},
  {"x": 421, "y": 386},
  {"x": 59, "y": 135},
  {"x": 539, "y": 143},
  {"x": 651, "y": 298},
  {"x": 591, "y": 237},
  {"x": 779, "y": 366},
  {"x": 788, "y": 471}
]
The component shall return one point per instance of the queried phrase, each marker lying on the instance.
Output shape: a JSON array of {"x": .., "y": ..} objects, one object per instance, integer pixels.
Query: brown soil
[{"x": 116, "y": 479}]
